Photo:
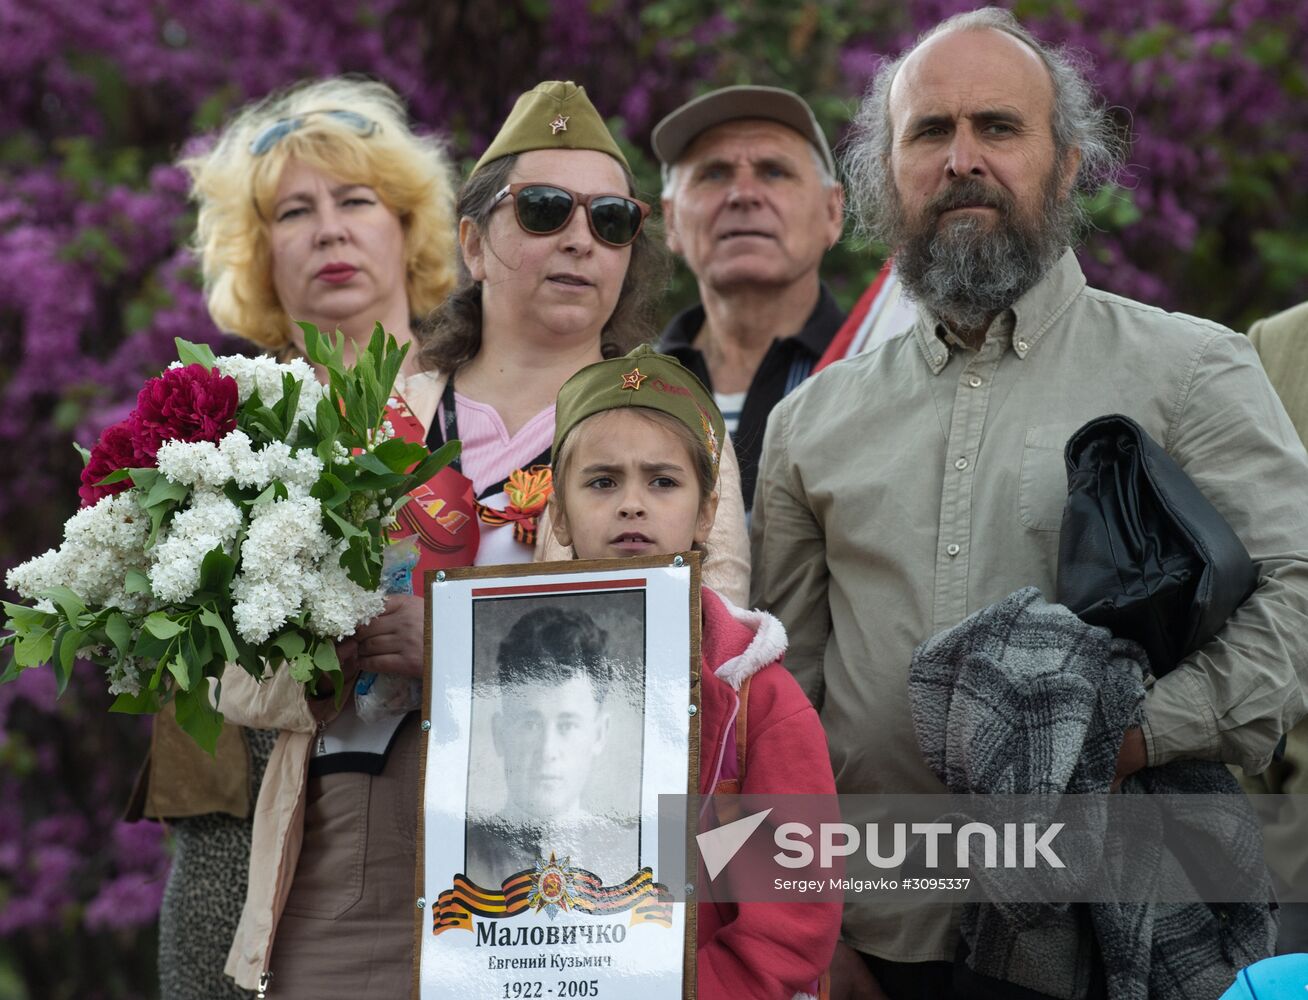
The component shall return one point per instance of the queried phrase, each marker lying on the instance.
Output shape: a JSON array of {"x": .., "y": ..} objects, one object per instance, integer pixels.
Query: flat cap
[{"x": 680, "y": 128}]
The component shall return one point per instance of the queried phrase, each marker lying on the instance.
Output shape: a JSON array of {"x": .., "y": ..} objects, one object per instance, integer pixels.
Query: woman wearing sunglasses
[
  {"x": 560, "y": 269},
  {"x": 318, "y": 204}
]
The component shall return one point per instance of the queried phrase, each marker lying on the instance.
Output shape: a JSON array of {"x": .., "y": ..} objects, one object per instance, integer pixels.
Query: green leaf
[
  {"x": 324, "y": 349},
  {"x": 137, "y": 314},
  {"x": 287, "y": 404},
  {"x": 217, "y": 571},
  {"x": 161, "y": 626},
  {"x": 157, "y": 676},
  {"x": 145, "y": 703},
  {"x": 197, "y": 651},
  {"x": 436, "y": 461},
  {"x": 195, "y": 354},
  {"x": 85, "y": 453},
  {"x": 389, "y": 358},
  {"x": 344, "y": 527},
  {"x": 136, "y": 582},
  {"x": 35, "y": 648},
  {"x": 62, "y": 661},
  {"x": 301, "y": 667},
  {"x": 181, "y": 671},
  {"x": 400, "y": 455},
  {"x": 164, "y": 490},
  {"x": 372, "y": 463},
  {"x": 324, "y": 657},
  {"x": 260, "y": 422},
  {"x": 329, "y": 490},
  {"x": 361, "y": 563},
  {"x": 69, "y": 603},
  {"x": 119, "y": 632},
  {"x": 249, "y": 659},
  {"x": 117, "y": 476},
  {"x": 326, "y": 662},
  {"x": 1148, "y": 43},
  {"x": 326, "y": 418},
  {"x": 144, "y": 479},
  {"x": 214, "y": 621},
  {"x": 22, "y": 615},
  {"x": 67, "y": 650},
  {"x": 374, "y": 401},
  {"x": 268, "y": 495},
  {"x": 147, "y": 647},
  {"x": 94, "y": 246},
  {"x": 198, "y": 718},
  {"x": 370, "y": 482},
  {"x": 213, "y": 109},
  {"x": 67, "y": 414},
  {"x": 291, "y": 644}
]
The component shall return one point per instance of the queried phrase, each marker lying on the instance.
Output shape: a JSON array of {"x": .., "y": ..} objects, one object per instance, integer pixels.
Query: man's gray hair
[
  {"x": 1080, "y": 121},
  {"x": 672, "y": 179}
]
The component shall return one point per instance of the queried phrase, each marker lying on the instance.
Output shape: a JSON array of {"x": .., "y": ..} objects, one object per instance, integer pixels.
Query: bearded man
[{"x": 906, "y": 488}]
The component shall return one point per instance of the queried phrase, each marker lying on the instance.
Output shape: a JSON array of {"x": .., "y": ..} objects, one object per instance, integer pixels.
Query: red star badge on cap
[
  {"x": 632, "y": 379},
  {"x": 560, "y": 124}
]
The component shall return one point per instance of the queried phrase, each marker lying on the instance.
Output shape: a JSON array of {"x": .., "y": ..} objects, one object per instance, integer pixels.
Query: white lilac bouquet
[{"x": 239, "y": 514}]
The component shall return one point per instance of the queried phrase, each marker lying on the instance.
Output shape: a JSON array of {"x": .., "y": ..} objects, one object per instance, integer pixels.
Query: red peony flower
[
  {"x": 115, "y": 450},
  {"x": 184, "y": 404}
]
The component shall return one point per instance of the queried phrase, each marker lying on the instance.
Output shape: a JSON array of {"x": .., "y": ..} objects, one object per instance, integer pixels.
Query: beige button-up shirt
[{"x": 905, "y": 488}]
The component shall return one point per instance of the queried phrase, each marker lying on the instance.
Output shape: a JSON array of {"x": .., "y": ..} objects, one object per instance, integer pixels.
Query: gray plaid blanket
[{"x": 1024, "y": 698}]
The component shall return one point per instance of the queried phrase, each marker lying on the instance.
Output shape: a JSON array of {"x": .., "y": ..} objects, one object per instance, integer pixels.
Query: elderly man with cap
[
  {"x": 751, "y": 201},
  {"x": 903, "y": 490}
]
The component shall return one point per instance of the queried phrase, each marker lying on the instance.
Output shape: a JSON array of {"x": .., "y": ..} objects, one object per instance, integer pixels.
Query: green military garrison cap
[
  {"x": 557, "y": 114},
  {"x": 641, "y": 378}
]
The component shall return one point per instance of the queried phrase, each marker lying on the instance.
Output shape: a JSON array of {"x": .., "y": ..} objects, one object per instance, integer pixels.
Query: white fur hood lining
[{"x": 767, "y": 646}]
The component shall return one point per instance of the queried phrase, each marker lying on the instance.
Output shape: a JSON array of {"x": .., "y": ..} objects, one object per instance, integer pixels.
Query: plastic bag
[{"x": 381, "y": 696}]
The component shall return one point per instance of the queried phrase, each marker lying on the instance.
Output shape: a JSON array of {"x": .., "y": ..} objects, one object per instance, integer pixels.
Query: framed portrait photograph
[{"x": 562, "y": 701}]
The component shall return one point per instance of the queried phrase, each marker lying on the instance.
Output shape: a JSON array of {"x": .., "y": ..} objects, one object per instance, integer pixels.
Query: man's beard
[{"x": 968, "y": 270}]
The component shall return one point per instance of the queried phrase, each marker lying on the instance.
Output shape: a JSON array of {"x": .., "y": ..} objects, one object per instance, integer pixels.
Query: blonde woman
[{"x": 318, "y": 203}]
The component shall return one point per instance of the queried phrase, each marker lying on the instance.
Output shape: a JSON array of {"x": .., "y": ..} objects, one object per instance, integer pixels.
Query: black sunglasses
[{"x": 542, "y": 209}]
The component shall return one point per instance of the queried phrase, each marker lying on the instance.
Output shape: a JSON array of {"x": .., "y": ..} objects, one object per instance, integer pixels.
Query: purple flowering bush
[
  {"x": 100, "y": 95},
  {"x": 80, "y": 889}
]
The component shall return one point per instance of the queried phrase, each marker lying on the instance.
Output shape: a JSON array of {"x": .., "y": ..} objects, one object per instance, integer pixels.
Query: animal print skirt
[{"x": 205, "y": 893}]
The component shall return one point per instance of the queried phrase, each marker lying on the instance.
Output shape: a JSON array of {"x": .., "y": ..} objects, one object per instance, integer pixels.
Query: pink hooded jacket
[{"x": 760, "y": 950}]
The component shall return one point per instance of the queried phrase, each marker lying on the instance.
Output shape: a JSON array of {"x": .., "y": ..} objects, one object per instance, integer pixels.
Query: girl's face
[
  {"x": 565, "y": 283},
  {"x": 630, "y": 490}
]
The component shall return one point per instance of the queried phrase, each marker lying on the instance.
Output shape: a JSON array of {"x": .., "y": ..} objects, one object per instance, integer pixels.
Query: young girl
[{"x": 636, "y": 446}]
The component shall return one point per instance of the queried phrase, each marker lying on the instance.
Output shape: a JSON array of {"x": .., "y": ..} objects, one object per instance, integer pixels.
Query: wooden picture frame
[{"x": 559, "y": 701}]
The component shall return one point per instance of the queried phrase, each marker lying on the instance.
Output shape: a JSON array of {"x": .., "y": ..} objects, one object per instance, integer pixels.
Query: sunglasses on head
[
  {"x": 282, "y": 127},
  {"x": 542, "y": 209}
]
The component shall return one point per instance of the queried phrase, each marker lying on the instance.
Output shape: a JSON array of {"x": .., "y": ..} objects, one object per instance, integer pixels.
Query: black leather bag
[{"x": 1142, "y": 551}]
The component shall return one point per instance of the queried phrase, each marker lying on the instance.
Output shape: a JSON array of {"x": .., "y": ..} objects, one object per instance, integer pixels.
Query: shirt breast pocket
[{"x": 1042, "y": 487}]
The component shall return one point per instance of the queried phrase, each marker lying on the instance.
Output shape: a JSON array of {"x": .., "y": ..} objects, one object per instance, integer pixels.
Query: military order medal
[{"x": 551, "y": 886}]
